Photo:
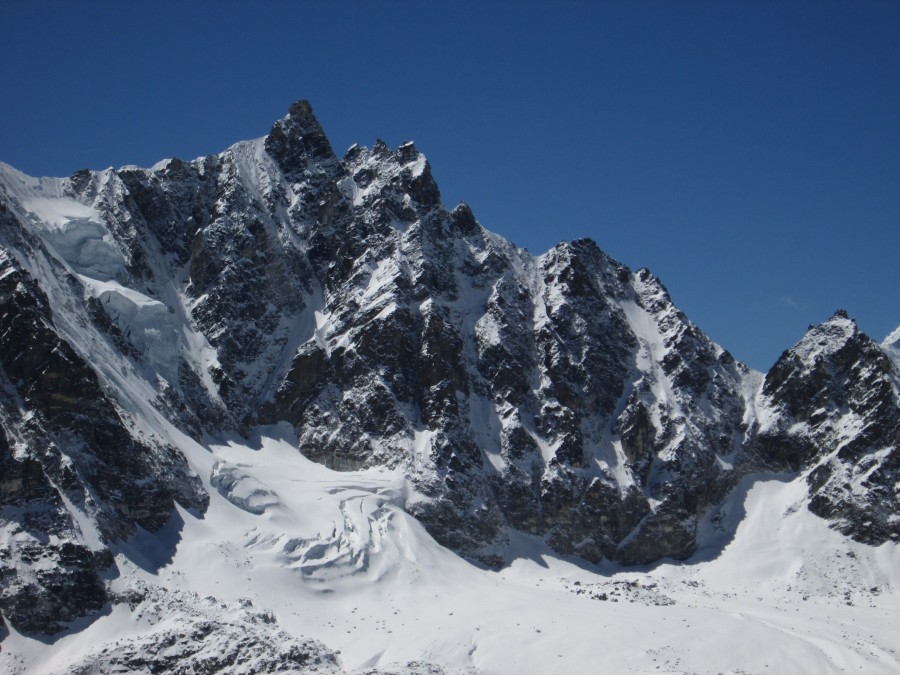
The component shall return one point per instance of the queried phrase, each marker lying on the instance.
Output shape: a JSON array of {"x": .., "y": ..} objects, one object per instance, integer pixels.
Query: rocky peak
[
  {"x": 835, "y": 410},
  {"x": 406, "y": 152},
  {"x": 827, "y": 351},
  {"x": 384, "y": 187},
  {"x": 824, "y": 340},
  {"x": 463, "y": 219},
  {"x": 298, "y": 143}
]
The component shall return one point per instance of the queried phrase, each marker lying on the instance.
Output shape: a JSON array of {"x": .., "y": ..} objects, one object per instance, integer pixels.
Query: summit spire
[{"x": 297, "y": 140}]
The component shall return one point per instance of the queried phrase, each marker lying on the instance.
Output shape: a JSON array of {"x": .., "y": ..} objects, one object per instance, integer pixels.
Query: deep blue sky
[{"x": 748, "y": 153}]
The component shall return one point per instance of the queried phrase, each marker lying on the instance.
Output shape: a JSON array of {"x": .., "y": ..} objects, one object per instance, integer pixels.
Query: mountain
[{"x": 149, "y": 316}]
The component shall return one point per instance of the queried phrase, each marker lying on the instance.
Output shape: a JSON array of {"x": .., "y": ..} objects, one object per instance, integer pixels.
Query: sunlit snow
[{"x": 334, "y": 557}]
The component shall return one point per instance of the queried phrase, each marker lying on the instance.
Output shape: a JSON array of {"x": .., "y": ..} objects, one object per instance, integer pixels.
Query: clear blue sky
[{"x": 748, "y": 153}]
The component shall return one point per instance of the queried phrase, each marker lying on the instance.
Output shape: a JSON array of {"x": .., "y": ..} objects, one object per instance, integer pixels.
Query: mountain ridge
[{"x": 559, "y": 395}]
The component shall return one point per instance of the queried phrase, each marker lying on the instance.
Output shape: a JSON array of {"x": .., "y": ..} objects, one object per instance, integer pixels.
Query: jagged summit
[
  {"x": 824, "y": 340},
  {"x": 835, "y": 409},
  {"x": 297, "y": 142}
]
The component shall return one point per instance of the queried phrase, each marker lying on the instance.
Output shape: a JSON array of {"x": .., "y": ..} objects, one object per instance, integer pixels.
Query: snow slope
[{"x": 331, "y": 556}]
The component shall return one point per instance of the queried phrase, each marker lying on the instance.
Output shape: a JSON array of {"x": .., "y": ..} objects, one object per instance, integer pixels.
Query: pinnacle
[
  {"x": 300, "y": 109},
  {"x": 300, "y": 120},
  {"x": 298, "y": 138},
  {"x": 840, "y": 314}
]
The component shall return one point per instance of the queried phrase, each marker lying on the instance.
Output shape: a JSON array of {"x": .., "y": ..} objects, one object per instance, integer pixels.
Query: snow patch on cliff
[
  {"x": 75, "y": 231},
  {"x": 891, "y": 345}
]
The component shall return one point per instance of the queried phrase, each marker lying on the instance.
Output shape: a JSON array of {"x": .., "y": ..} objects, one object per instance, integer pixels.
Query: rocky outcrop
[{"x": 184, "y": 633}]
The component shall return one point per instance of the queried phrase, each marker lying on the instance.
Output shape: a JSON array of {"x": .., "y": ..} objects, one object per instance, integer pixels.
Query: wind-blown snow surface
[{"x": 331, "y": 556}]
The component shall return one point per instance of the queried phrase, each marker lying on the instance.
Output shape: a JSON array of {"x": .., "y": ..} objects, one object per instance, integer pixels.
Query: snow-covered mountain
[{"x": 261, "y": 374}]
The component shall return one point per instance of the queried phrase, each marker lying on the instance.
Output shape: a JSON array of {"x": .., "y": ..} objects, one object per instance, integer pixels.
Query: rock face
[
  {"x": 67, "y": 456},
  {"x": 562, "y": 395},
  {"x": 836, "y": 411}
]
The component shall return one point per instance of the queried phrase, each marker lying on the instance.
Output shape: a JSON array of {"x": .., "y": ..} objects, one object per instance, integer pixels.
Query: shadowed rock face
[
  {"x": 297, "y": 142},
  {"x": 61, "y": 438},
  {"x": 562, "y": 395},
  {"x": 63, "y": 581}
]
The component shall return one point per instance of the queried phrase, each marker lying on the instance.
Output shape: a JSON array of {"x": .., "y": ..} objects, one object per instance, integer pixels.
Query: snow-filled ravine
[{"x": 331, "y": 556}]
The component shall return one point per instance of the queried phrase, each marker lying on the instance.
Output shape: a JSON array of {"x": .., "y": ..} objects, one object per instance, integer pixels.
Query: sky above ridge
[{"x": 748, "y": 153}]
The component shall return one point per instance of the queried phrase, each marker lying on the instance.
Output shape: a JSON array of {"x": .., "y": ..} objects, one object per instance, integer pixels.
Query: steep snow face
[{"x": 75, "y": 231}]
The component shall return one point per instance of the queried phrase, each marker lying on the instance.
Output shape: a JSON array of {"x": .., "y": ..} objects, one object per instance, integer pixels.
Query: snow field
[{"x": 333, "y": 557}]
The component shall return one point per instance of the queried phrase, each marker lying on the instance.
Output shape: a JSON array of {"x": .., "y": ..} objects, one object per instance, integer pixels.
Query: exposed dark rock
[
  {"x": 297, "y": 142},
  {"x": 200, "y": 635}
]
